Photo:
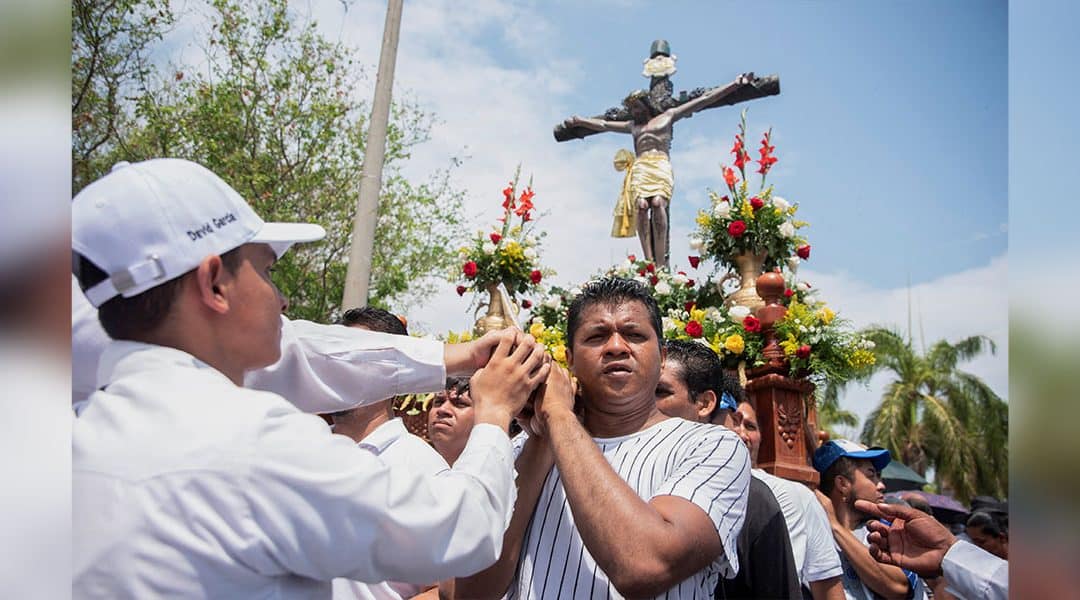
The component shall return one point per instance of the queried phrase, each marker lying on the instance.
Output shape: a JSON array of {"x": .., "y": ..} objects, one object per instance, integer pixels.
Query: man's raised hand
[
  {"x": 915, "y": 540},
  {"x": 499, "y": 390}
]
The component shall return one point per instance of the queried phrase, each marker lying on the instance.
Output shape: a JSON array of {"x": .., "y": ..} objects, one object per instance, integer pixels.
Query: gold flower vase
[
  {"x": 749, "y": 266},
  {"x": 501, "y": 313}
]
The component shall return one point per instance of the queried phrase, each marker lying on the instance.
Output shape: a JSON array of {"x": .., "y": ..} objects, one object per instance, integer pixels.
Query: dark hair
[
  {"x": 990, "y": 525},
  {"x": 644, "y": 98},
  {"x": 612, "y": 291},
  {"x": 375, "y": 319},
  {"x": 844, "y": 467},
  {"x": 701, "y": 370},
  {"x": 457, "y": 384},
  {"x": 132, "y": 318}
]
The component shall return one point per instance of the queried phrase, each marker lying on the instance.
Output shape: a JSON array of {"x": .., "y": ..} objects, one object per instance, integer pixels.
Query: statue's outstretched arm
[
  {"x": 597, "y": 124},
  {"x": 708, "y": 98}
]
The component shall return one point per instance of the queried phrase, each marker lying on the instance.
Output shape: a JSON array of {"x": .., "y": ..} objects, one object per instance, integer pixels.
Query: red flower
[
  {"x": 525, "y": 204},
  {"x": 751, "y": 324},
  {"x": 461, "y": 290},
  {"x": 741, "y": 156},
  {"x": 690, "y": 283},
  {"x": 694, "y": 329},
  {"x": 803, "y": 251},
  {"x": 641, "y": 271},
  {"x": 689, "y": 306},
  {"x": 470, "y": 269},
  {"x": 508, "y": 194},
  {"x": 756, "y": 203},
  {"x": 729, "y": 177},
  {"x": 526, "y": 304},
  {"x": 654, "y": 280},
  {"x": 736, "y": 228},
  {"x": 789, "y": 292},
  {"x": 694, "y": 261},
  {"x": 650, "y": 268},
  {"x": 536, "y": 276},
  {"x": 803, "y": 351},
  {"x": 495, "y": 238},
  {"x": 767, "y": 159},
  {"x": 632, "y": 258}
]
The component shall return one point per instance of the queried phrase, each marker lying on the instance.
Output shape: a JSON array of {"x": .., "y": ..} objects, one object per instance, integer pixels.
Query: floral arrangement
[
  {"x": 741, "y": 222},
  {"x": 509, "y": 253}
]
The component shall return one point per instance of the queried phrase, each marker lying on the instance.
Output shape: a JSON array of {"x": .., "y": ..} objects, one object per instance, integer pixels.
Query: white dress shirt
[
  {"x": 811, "y": 536},
  {"x": 188, "y": 486},
  {"x": 323, "y": 368},
  {"x": 399, "y": 449},
  {"x": 971, "y": 572}
]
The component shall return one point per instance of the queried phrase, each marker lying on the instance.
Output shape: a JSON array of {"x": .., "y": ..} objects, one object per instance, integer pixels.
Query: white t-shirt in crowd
[
  {"x": 811, "y": 536},
  {"x": 706, "y": 464},
  {"x": 400, "y": 450}
]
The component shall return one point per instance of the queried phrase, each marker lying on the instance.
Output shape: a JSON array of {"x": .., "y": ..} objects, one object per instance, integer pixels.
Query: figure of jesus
[{"x": 650, "y": 178}]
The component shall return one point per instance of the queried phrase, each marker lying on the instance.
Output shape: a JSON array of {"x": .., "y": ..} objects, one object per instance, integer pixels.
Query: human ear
[
  {"x": 706, "y": 403},
  {"x": 211, "y": 283}
]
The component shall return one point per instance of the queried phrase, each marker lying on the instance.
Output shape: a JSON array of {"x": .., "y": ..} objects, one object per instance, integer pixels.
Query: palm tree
[{"x": 932, "y": 414}]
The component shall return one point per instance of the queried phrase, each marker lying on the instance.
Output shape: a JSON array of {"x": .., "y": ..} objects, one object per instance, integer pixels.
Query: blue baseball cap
[{"x": 828, "y": 452}]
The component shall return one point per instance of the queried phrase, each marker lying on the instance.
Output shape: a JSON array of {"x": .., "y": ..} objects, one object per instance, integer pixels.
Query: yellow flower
[
  {"x": 827, "y": 315},
  {"x": 734, "y": 344},
  {"x": 537, "y": 330},
  {"x": 702, "y": 218},
  {"x": 861, "y": 358},
  {"x": 790, "y": 345},
  {"x": 559, "y": 353},
  {"x": 698, "y": 314},
  {"x": 747, "y": 211}
]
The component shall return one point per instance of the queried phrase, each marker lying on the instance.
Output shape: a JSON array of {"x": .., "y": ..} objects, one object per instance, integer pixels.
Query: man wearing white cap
[{"x": 189, "y": 485}]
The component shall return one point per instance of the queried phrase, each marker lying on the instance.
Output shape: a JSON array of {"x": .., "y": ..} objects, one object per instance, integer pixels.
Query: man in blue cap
[{"x": 850, "y": 472}]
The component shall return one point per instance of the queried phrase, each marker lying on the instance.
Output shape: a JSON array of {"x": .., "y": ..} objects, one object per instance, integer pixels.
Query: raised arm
[
  {"x": 708, "y": 98},
  {"x": 885, "y": 580},
  {"x": 597, "y": 124}
]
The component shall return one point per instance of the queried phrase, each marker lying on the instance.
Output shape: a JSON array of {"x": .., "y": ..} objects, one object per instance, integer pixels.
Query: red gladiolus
[
  {"x": 694, "y": 329},
  {"x": 729, "y": 177},
  {"x": 803, "y": 351},
  {"x": 526, "y": 304},
  {"x": 736, "y": 228},
  {"x": 508, "y": 194},
  {"x": 525, "y": 204},
  {"x": 689, "y": 306},
  {"x": 789, "y": 292},
  {"x": 767, "y": 159},
  {"x": 495, "y": 238},
  {"x": 751, "y": 324},
  {"x": 694, "y": 261},
  {"x": 461, "y": 290},
  {"x": 803, "y": 251},
  {"x": 741, "y": 156},
  {"x": 536, "y": 276},
  {"x": 470, "y": 269},
  {"x": 654, "y": 280},
  {"x": 756, "y": 203},
  {"x": 650, "y": 268},
  {"x": 632, "y": 258}
]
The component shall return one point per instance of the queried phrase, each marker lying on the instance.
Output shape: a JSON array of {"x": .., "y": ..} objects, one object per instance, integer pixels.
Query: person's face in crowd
[
  {"x": 615, "y": 354},
  {"x": 997, "y": 545},
  {"x": 748, "y": 429},
  {"x": 255, "y": 307},
  {"x": 674, "y": 399},
  {"x": 866, "y": 484},
  {"x": 450, "y": 420}
]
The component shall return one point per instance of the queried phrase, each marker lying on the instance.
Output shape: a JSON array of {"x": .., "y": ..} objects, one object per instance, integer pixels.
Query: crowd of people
[{"x": 203, "y": 469}]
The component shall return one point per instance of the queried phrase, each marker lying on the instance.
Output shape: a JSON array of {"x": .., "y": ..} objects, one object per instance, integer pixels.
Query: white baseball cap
[{"x": 149, "y": 222}]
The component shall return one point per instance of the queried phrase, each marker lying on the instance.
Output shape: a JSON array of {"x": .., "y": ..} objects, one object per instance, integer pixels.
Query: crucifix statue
[{"x": 648, "y": 117}]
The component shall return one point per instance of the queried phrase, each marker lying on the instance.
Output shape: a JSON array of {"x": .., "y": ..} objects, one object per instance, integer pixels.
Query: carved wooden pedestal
[{"x": 781, "y": 404}]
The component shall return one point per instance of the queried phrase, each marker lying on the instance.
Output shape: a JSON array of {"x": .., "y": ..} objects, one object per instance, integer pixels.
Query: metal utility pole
[{"x": 358, "y": 275}]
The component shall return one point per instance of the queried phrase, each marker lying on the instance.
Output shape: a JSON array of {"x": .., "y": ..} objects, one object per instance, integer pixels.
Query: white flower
[
  {"x": 659, "y": 66},
  {"x": 787, "y": 229},
  {"x": 641, "y": 280},
  {"x": 553, "y": 301},
  {"x": 738, "y": 313},
  {"x": 866, "y": 344},
  {"x": 793, "y": 263},
  {"x": 662, "y": 288},
  {"x": 680, "y": 279},
  {"x": 780, "y": 203},
  {"x": 575, "y": 291},
  {"x": 530, "y": 240},
  {"x": 802, "y": 328},
  {"x": 480, "y": 233},
  {"x": 696, "y": 243},
  {"x": 722, "y": 210},
  {"x": 803, "y": 286},
  {"x": 713, "y": 314},
  {"x": 530, "y": 253},
  {"x": 622, "y": 270},
  {"x": 667, "y": 324},
  {"x": 488, "y": 248}
]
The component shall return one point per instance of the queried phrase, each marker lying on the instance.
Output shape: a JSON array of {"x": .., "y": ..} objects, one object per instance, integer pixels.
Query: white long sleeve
[{"x": 974, "y": 573}]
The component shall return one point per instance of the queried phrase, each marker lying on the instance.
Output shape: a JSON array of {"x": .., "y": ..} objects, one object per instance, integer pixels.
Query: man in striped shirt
[{"x": 615, "y": 498}]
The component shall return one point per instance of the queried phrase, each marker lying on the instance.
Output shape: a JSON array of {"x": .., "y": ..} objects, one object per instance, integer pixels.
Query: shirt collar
[
  {"x": 385, "y": 435},
  {"x": 123, "y": 358}
]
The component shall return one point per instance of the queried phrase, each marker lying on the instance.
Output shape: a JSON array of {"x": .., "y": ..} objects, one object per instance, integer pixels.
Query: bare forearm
[
  {"x": 533, "y": 466},
  {"x": 885, "y": 580},
  {"x": 827, "y": 589}
]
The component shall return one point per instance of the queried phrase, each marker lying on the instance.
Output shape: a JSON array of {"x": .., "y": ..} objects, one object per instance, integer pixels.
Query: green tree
[
  {"x": 934, "y": 415},
  {"x": 273, "y": 111}
]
